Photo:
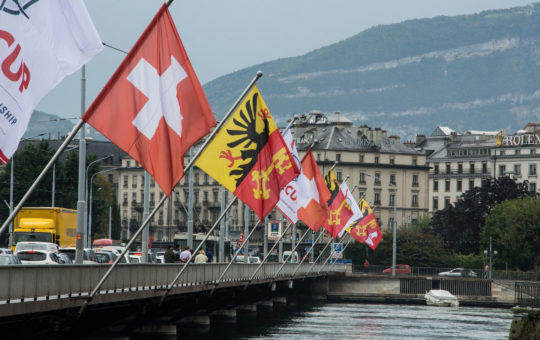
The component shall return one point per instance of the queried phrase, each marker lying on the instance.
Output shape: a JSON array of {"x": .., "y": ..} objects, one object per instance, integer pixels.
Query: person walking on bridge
[{"x": 168, "y": 257}]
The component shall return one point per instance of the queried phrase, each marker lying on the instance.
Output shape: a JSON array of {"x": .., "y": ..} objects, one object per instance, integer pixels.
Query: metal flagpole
[
  {"x": 47, "y": 167},
  {"x": 161, "y": 201},
  {"x": 318, "y": 257},
  {"x": 292, "y": 253},
  {"x": 304, "y": 258},
  {"x": 269, "y": 252},
  {"x": 146, "y": 208},
  {"x": 235, "y": 256},
  {"x": 169, "y": 286}
]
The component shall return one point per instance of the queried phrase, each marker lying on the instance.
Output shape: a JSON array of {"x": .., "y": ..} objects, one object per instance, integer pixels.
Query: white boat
[{"x": 442, "y": 298}]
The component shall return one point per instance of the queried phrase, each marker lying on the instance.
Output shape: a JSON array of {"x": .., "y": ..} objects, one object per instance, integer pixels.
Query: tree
[
  {"x": 459, "y": 225},
  {"x": 514, "y": 227}
]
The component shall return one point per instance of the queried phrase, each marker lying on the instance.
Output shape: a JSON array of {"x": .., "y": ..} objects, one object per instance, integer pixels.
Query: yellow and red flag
[
  {"x": 249, "y": 157},
  {"x": 366, "y": 230},
  {"x": 340, "y": 210}
]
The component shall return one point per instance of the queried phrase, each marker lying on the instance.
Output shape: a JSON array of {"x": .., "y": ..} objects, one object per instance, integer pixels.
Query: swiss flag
[
  {"x": 154, "y": 107},
  {"x": 312, "y": 194}
]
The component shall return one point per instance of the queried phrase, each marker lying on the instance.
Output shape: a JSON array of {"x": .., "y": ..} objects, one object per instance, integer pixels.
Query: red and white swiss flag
[
  {"x": 154, "y": 107},
  {"x": 312, "y": 194}
]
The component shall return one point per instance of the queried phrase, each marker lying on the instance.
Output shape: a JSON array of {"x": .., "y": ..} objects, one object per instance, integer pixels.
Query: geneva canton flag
[{"x": 41, "y": 42}]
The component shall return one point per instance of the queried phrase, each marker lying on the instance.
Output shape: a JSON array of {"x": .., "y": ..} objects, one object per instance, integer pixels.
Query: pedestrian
[
  {"x": 177, "y": 253},
  {"x": 366, "y": 265},
  {"x": 185, "y": 255},
  {"x": 486, "y": 271},
  {"x": 210, "y": 256},
  {"x": 201, "y": 257},
  {"x": 168, "y": 257}
]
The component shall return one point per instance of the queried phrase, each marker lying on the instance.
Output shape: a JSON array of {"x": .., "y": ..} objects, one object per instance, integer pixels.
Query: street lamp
[
  {"x": 85, "y": 214},
  {"x": 491, "y": 252},
  {"x": 89, "y": 231}
]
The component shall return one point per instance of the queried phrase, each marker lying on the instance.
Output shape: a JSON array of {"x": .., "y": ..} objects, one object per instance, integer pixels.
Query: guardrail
[
  {"x": 21, "y": 283},
  {"x": 527, "y": 294}
]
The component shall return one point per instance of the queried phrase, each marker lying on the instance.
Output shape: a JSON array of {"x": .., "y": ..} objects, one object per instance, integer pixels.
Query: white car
[
  {"x": 38, "y": 257},
  {"x": 47, "y": 246},
  {"x": 459, "y": 272},
  {"x": 88, "y": 254}
]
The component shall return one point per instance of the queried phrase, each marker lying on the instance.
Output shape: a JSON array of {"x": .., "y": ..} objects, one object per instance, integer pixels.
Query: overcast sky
[{"x": 221, "y": 36}]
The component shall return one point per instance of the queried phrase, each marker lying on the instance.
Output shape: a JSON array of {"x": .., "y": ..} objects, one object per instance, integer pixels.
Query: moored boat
[{"x": 442, "y": 298}]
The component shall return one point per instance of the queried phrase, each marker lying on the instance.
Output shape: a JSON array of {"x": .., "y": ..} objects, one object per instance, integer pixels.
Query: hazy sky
[{"x": 221, "y": 36}]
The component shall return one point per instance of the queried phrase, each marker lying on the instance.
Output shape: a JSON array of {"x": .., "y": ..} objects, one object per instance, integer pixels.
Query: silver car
[{"x": 459, "y": 272}]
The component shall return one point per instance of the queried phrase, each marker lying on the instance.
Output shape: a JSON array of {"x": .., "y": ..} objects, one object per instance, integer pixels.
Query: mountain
[
  {"x": 478, "y": 72},
  {"x": 54, "y": 127}
]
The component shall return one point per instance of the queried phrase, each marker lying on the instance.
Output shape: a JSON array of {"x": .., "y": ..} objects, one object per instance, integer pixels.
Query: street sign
[
  {"x": 337, "y": 250},
  {"x": 274, "y": 230}
]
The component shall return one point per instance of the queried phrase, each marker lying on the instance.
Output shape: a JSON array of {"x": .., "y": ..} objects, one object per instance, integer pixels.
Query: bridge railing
[{"x": 24, "y": 282}]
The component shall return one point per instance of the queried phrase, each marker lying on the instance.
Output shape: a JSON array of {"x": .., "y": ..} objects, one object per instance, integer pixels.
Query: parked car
[
  {"x": 400, "y": 269},
  {"x": 38, "y": 257},
  {"x": 160, "y": 257},
  {"x": 7, "y": 259},
  {"x": 105, "y": 257},
  {"x": 113, "y": 251},
  {"x": 64, "y": 258},
  {"x": 254, "y": 259},
  {"x": 459, "y": 272},
  {"x": 89, "y": 256}
]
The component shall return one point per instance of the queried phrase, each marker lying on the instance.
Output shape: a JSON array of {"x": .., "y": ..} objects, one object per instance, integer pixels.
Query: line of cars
[{"x": 405, "y": 269}]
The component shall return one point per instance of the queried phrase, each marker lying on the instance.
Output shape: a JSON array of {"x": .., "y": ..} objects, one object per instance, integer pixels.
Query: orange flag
[
  {"x": 340, "y": 211},
  {"x": 312, "y": 194},
  {"x": 366, "y": 230},
  {"x": 154, "y": 107}
]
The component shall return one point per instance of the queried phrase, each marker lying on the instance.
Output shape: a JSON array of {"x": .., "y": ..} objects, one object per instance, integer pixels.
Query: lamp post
[
  {"x": 491, "y": 252},
  {"x": 85, "y": 196},
  {"x": 89, "y": 231}
]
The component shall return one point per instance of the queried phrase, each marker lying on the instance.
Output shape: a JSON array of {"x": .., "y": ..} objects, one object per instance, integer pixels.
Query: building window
[
  {"x": 205, "y": 195},
  {"x": 414, "y": 180},
  {"x": 517, "y": 169},
  {"x": 414, "y": 161},
  {"x": 446, "y": 202},
  {"x": 446, "y": 186},
  {"x": 338, "y": 157},
  {"x": 448, "y": 168},
  {"x": 391, "y": 199},
  {"x": 414, "y": 202},
  {"x": 518, "y": 152},
  {"x": 128, "y": 164},
  {"x": 533, "y": 151},
  {"x": 196, "y": 179},
  {"x": 134, "y": 197},
  {"x": 435, "y": 203},
  {"x": 458, "y": 186},
  {"x": 471, "y": 168},
  {"x": 206, "y": 178},
  {"x": 532, "y": 187},
  {"x": 435, "y": 186},
  {"x": 134, "y": 181},
  {"x": 376, "y": 159},
  {"x": 362, "y": 178},
  {"x": 502, "y": 153},
  {"x": 471, "y": 184},
  {"x": 377, "y": 198},
  {"x": 361, "y": 158},
  {"x": 152, "y": 197},
  {"x": 152, "y": 182},
  {"x": 215, "y": 192},
  {"x": 460, "y": 168},
  {"x": 125, "y": 181},
  {"x": 532, "y": 169},
  {"x": 318, "y": 156},
  {"x": 392, "y": 161},
  {"x": 502, "y": 169},
  {"x": 393, "y": 179},
  {"x": 111, "y": 178},
  {"x": 125, "y": 197},
  {"x": 378, "y": 178},
  {"x": 339, "y": 176},
  {"x": 484, "y": 167},
  {"x": 436, "y": 168}
]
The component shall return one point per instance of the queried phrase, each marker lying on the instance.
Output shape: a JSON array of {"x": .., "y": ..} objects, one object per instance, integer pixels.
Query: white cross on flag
[
  {"x": 41, "y": 42},
  {"x": 154, "y": 107}
]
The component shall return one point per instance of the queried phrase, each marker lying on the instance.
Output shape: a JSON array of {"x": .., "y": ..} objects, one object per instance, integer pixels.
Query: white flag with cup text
[
  {"x": 288, "y": 202},
  {"x": 41, "y": 42}
]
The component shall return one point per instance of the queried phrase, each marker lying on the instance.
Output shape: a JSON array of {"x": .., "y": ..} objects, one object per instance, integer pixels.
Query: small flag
[
  {"x": 249, "y": 157},
  {"x": 312, "y": 194},
  {"x": 340, "y": 211},
  {"x": 357, "y": 214},
  {"x": 366, "y": 230},
  {"x": 288, "y": 198},
  {"x": 41, "y": 42},
  {"x": 154, "y": 107}
]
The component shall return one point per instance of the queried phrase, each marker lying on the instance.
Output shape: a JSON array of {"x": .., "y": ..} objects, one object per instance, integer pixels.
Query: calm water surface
[{"x": 364, "y": 321}]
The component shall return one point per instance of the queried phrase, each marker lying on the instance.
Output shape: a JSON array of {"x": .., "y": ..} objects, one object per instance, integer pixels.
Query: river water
[{"x": 363, "y": 321}]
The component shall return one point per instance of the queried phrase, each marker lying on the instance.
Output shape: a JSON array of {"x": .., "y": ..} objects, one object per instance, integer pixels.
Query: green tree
[
  {"x": 514, "y": 227},
  {"x": 459, "y": 225}
]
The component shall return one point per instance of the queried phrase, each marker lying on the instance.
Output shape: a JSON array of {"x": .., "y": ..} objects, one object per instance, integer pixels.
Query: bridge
[{"x": 47, "y": 299}]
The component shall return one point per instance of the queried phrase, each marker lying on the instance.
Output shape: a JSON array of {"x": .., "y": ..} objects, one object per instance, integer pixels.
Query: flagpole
[
  {"x": 318, "y": 257},
  {"x": 292, "y": 253},
  {"x": 216, "y": 284},
  {"x": 184, "y": 267},
  {"x": 268, "y": 254},
  {"x": 304, "y": 258},
  {"x": 162, "y": 200},
  {"x": 55, "y": 157}
]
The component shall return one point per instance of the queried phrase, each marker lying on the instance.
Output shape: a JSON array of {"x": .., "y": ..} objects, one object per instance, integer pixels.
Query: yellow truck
[{"x": 45, "y": 224}]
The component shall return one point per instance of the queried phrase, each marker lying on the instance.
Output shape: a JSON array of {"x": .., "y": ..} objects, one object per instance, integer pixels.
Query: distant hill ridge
[{"x": 478, "y": 72}]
